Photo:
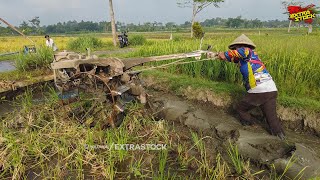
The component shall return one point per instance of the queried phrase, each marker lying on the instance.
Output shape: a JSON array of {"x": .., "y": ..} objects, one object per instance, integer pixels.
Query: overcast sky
[{"x": 53, "y": 11}]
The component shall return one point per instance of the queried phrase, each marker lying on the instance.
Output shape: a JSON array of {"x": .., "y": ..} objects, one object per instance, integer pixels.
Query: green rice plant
[
  {"x": 177, "y": 38},
  {"x": 205, "y": 166},
  {"x": 274, "y": 175},
  {"x": 221, "y": 170},
  {"x": 198, "y": 142},
  {"x": 135, "y": 166},
  {"x": 122, "y": 137},
  {"x": 247, "y": 171},
  {"x": 110, "y": 171},
  {"x": 51, "y": 95},
  {"x": 163, "y": 157},
  {"x": 183, "y": 157},
  {"x": 25, "y": 100},
  {"x": 41, "y": 59},
  {"x": 235, "y": 158},
  {"x": 291, "y": 61},
  {"x": 82, "y": 43},
  {"x": 164, "y": 47},
  {"x": 137, "y": 40}
]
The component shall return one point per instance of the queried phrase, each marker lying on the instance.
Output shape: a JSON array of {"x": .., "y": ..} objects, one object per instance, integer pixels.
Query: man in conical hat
[{"x": 261, "y": 89}]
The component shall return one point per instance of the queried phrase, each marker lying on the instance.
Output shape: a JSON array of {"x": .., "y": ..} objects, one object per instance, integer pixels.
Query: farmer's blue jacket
[{"x": 252, "y": 69}]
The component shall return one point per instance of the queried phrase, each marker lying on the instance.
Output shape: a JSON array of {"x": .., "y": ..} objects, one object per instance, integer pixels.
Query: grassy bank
[
  {"x": 23, "y": 75},
  {"x": 176, "y": 83},
  {"x": 7, "y": 57}
]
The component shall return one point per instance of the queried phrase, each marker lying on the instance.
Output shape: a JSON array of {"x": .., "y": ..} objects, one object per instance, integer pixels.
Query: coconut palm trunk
[{"x": 113, "y": 23}]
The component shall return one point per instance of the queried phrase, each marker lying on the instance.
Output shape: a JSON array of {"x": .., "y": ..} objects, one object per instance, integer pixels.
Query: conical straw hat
[{"x": 243, "y": 39}]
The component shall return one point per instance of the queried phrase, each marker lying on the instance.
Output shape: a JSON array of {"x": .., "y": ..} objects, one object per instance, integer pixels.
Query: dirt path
[{"x": 254, "y": 143}]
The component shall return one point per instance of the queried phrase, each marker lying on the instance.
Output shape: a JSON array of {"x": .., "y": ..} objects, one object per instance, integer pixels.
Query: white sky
[{"x": 53, "y": 11}]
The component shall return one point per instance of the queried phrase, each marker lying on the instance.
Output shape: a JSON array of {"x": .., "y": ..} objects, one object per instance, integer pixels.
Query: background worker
[
  {"x": 50, "y": 43},
  {"x": 261, "y": 89}
]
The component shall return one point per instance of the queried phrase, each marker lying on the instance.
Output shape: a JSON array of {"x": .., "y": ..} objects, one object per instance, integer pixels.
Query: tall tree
[
  {"x": 35, "y": 22},
  {"x": 113, "y": 23},
  {"x": 25, "y": 28},
  {"x": 197, "y": 7}
]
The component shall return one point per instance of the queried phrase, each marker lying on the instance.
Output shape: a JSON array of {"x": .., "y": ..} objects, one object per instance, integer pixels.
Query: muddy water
[
  {"x": 254, "y": 143},
  {"x": 6, "y": 66},
  {"x": 202, "y": 116},
  {"x": 7, "y": 106}
]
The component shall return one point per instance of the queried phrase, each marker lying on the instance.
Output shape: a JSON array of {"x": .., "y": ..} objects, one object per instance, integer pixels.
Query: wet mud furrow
[{"x": 254, "y": 143}]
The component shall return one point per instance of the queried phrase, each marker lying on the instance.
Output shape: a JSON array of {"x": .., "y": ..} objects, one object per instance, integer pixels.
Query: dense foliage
[
  {"x": 33, "y": 26},
  {"x": 197, "y": 30},
  {"x": 82, "y": 43},
  {"x": 31, "y": 61},
  {"x": 137, "y": 40}
]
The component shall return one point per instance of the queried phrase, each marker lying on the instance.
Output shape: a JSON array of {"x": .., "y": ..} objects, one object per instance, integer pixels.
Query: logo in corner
[{"x": 306, "y": 14}]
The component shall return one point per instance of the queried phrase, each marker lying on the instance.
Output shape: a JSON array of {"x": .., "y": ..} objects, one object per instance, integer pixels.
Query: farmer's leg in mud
[
  {"x": 245, "y": 105},
  {"x": 270, "y": 112}
]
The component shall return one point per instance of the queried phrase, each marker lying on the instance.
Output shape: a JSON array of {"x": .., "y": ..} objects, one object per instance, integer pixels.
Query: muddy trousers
[{"x": 267, "y": 103}]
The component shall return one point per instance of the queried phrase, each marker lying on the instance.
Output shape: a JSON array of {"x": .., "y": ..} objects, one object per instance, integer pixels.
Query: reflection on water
[{"x": 6, "y": 66}]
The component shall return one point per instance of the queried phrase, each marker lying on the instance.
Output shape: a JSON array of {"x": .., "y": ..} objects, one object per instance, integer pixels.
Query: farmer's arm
[{"x": 235, "y": 55}]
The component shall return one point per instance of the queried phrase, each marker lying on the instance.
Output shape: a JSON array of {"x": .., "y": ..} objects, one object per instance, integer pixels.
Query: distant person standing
[{"x": 50, "y": 43}]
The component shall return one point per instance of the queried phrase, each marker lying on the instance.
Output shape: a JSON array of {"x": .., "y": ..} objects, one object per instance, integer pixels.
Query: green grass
[
  {"x": 82, "y": 43},
  {"x": 279, "y": 176},
  {"x": 292, "y": 60},
  {"x": 43, "y": 140},
  {"x": 17, "y": 75},
  {"x": 178, "y": 82},
  {"x": 41, "y": 59},
  {"x": 137, "y": 40},
  {"x": 8, "y": 57},
  {"x": 235, "y": 158}
]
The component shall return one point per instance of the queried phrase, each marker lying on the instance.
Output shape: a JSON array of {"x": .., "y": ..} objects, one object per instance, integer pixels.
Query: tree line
[{"x": 33, "y": 27}]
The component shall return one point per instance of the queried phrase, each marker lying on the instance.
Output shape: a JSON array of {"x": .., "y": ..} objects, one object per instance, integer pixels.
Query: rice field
[
  {"x": 292, "y": 60},
  {"x": 42, "y": 140},
  {"x": 15, "y": 44}
]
